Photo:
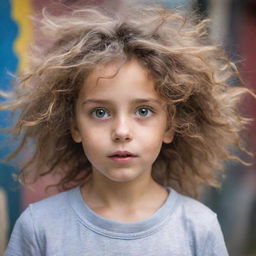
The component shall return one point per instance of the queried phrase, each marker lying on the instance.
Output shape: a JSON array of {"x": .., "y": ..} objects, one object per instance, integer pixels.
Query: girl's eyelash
[
  {"x": 147, "y": 107},
  {"x": 94, "y": 109}
]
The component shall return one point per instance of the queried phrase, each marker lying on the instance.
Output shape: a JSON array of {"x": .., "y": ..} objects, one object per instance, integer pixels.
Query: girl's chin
[{"x": 122, "y": 177}]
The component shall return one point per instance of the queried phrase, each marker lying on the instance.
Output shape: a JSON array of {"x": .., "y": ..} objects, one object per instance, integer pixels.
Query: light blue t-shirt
[{"x": 63, "y": 225}]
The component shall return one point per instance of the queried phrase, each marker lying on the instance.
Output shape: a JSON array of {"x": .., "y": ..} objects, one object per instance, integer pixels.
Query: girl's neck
[{"x": 101, "y": 193}]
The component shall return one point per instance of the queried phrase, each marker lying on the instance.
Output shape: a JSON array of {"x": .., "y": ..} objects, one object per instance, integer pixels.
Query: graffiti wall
[
  {"x": 16, "y": 33},
  {"x": 10, "y": 199}
]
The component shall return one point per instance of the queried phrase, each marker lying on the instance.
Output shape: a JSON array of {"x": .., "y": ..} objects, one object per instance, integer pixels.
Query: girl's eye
[
  {"x": 144, "y": 112},
  {"x": 100, "y": 113}
]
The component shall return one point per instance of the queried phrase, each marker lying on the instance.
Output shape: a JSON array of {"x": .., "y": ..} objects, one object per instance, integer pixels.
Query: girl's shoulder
[
  {"x": 200, "y": 224},
  {"x": 194, "y": 205},
  {"x": 53, "y": 206},
  {"x": 193, "y": 211},
  {"x": 39, "y": 221}
]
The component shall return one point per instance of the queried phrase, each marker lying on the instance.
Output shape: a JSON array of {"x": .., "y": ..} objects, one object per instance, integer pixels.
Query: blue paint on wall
[
  {"x": 8, "y": 64},
  {"x": 8, "y": 32}
]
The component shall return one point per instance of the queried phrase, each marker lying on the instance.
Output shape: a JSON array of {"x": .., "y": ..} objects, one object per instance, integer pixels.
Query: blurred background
[{"x": 233, "y": 25}]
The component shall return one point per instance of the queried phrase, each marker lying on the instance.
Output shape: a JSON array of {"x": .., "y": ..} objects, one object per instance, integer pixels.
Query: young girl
[{"x": 135, "y": 113}]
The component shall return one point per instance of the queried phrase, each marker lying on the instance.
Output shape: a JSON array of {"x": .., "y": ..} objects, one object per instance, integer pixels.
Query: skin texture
[{"x": 121, "y": 122}]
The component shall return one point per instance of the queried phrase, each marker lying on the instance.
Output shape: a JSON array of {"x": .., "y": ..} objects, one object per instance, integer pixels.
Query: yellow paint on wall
[
  {"x": 21, "y": 10},
  {"x": 4, "y": 220}
]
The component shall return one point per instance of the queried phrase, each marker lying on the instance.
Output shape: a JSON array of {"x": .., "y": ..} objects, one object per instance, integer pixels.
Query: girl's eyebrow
[{"x": 135, "y": 101}]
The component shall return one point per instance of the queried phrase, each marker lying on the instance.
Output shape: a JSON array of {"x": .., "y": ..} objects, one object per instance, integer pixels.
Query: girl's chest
[{"x": 86, "y": 242}]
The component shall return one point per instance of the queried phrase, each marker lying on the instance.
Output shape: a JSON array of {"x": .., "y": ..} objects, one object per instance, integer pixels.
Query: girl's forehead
[
  {"x": 125, "y": 82},
  {"x": 129, "y": 74},
  {"x": 107, "y": 70},
  {"x": 113, "y": 68}
]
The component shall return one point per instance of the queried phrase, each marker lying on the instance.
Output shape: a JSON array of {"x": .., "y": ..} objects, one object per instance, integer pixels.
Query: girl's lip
[
  {"x": 122, "y": 153},
  {"x": 122, "y": 160}
]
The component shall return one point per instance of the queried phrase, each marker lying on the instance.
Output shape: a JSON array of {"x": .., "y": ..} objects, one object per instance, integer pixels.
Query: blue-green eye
[
  {"x": 144, "y": 112},
  {"x": 100, "y": 113}
]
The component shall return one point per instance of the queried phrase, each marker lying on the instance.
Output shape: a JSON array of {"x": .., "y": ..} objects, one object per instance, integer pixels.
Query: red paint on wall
[{"x": 247, "y": 45}]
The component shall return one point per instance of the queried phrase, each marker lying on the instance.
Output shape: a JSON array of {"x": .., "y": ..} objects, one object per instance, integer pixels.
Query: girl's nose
[{"x": 121, "y": 131}]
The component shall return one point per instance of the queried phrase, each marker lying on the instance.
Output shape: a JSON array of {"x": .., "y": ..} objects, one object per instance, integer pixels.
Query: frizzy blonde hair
[{"x": 190, "y": 74}]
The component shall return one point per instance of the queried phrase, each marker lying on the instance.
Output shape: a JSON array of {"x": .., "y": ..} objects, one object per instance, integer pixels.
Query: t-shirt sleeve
[
  {"x": 23, "y": 238},
  {"x": 214, "y": 244}
]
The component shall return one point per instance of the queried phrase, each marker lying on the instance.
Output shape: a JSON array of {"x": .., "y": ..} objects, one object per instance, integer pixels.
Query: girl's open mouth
[
  {"x": 122, "y": 156},
  {"x": 123, "y": 159}
]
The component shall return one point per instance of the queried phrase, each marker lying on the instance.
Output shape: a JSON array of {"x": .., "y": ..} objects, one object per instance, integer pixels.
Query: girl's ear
[
  {"x": 75, "y": 133},
  {"x": 168, "y": 136},
  {"x": 169, "y": 133}
]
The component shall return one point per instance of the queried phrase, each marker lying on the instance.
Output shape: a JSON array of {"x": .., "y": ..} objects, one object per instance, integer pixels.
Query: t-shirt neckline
[{"x": 117, "y": 229}]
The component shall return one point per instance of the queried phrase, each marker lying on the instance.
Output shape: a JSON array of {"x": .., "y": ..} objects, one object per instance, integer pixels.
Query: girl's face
[{"x": 121, "y": 122}]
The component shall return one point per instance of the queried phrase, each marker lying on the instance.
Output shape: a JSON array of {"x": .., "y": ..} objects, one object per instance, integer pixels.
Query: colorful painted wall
[
  {"x": 16, "y": 33},
  {"x": 10, "y": 47}
]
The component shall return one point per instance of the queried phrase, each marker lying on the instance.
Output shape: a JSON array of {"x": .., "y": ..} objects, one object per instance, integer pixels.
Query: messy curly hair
[{"x": 191, "y": 75}]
